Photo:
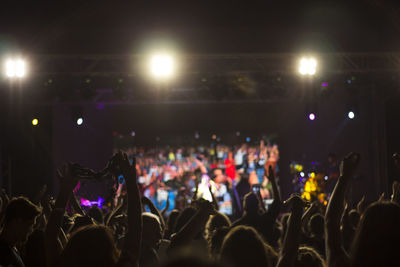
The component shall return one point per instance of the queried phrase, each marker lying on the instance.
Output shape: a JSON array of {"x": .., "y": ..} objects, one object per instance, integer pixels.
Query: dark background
[{"x": 223, "y": 26}]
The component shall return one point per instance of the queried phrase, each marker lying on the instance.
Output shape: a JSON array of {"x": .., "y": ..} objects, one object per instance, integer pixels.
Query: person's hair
[
  {"x": 243, "y": 246},
  {"x": 316, "y": 224},
  {"x": 95, "y": 213},
  {"x": 272, "y": 255},
  {"x": 148, "y": 216},
  {"x": 354, "y": 218},
  {"x": 91, "y": 245},
  {"x": 170, "y": 224},
  {"x": 171, "y": 220},
  {"x": 21, "y": 208},
  {"x": 215, "y": 222},
  {"x": 376, "y": 242},
  {"x": 183, "y": 218},
  {"x": 216, "y": 239},
  {"x": 81, "y": 221},
  {"x": 251, "y": 203},
  {"x": 308, "y": 257}
]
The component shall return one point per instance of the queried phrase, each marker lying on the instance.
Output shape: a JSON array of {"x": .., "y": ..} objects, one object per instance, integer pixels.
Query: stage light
[
  {"x": 133, "y": 133},
  {"x": 312, "y": 116},
  {"x": 35, "y": 122},
  {"x": 351, "y": 115},
  {"x": 308, "y": 66},
  {"x": 79, "y": 121},
  {"x": 214, "y": 137},
  {"x": 162, "y": 66},
  {"x": 248, "y": 139},
  {"x": 302, "y": 174},
  {"x": 15, "y": 68}
]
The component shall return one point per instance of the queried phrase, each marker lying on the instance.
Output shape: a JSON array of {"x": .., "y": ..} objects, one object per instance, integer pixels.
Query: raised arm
[
  {"x": 131, "y": 249},
  {"x": 275, "y": 207},
  {"x": 308, "y": 214},
  {"x": 275, "y": 191},
  {"x": 290, "y": 246},
  {"x": 166, "y": 208},
  {"x": 335, "y": 253},
  {"x": 53, "y": 229},
  {"x": 214, "y": 200},
  {"x": 75, "y": 205}
]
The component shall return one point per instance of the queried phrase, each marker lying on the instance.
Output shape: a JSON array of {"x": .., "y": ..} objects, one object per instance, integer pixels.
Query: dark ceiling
[{"x": 95, "y": 27}]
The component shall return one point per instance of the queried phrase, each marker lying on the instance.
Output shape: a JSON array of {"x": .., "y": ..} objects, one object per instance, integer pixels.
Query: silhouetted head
[
  {"x": 376, "y": 242},
  {"x": 152, "y": 231},
  {"x": 91, "y": 245},
  {"x": 242, "y": 247},
  {"x": 316, "y": 225},
  {"x": 20, "y": 217},
  {"x": 96, "y": 214},
  {"x": 251, "y": 203},
  {"x": 184, "y": 217},
  {"x": 215, "y": 241},
  {"x": 215, "y": 222}
]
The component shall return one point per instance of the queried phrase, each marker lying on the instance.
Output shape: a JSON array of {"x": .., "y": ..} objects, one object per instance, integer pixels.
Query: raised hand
[
  {"x": 271, "y": 174},
  {"x": 127, "y": 170},
  {"x": 40, "y": 194},
  {"x": 296, "y": 202},
  {"x": 349, "y": 165},
  {"x": 361, "y": 205},
  {"x": 206, "y": 207},
  {"x": 395, "y": 191},
  {"x": 67, "y": 181}
]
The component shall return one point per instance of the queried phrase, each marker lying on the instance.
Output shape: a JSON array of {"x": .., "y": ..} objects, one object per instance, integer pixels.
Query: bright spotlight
[
  {"x": 15, "y": 68},
  {"x": 35, "y": 122},
  {"x": 311, "y": 116},
  {"x": 308, "y": 66},
  {"x": 302, "y": 174},
  {"x": 162, "y": 66},
  {"x": 79, "y": 121},
  {"x": 351, "y": 115}
]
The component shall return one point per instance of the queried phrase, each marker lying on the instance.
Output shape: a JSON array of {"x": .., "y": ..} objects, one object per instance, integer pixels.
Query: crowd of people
[
  {"x": 46, "y": 232},
  {"x": 175, "y": 174}
]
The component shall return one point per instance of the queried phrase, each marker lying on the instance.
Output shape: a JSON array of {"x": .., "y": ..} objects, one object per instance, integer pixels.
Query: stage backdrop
[{"x": 299, "y": 139}]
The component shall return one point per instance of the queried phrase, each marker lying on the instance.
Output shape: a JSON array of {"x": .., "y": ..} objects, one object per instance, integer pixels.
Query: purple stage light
[
  {"x": 100, "y": 106},
  {"x": 324, "y": 84},
  {"x": 88, "y": 203},
  {"x": 311, "y": 116}
]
